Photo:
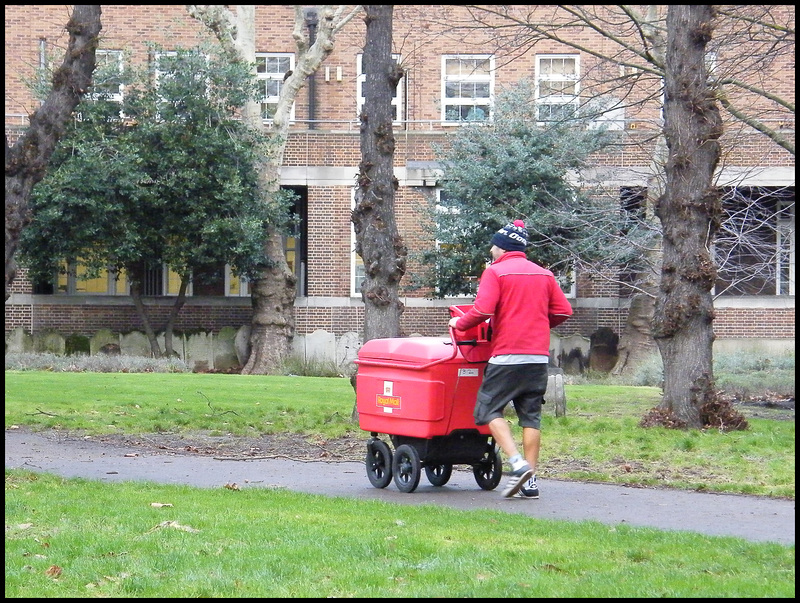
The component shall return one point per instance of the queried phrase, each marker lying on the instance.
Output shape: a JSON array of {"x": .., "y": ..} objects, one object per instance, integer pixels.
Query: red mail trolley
[{"x": 420, "y": 392}]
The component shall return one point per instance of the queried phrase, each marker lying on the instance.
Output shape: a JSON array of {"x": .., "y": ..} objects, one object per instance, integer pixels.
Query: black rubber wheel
[
  {"x": 439, "y": 475},
  {"x": 489, "y": 470},
  {"x": 379, "y": 463},
  {"x": 407, "y": 468}
]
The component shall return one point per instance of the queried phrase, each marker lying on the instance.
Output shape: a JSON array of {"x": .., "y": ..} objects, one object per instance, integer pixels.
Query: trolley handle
[
  {"x": 419, "y": 367},
  {"x": 455, "y": 343}
]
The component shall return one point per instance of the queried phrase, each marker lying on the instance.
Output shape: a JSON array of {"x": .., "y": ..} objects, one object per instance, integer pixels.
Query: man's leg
[
  {"x": 501, "y": 432},
  {"x": 520, "y": 471},
  {"x": 531, "y": 442}
]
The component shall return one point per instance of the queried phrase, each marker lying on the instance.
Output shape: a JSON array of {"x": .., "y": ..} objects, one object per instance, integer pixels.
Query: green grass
[
  {"x": 102, "y": 403},
  {"x": 598, "y": 440},
  {"x": 80, "y": 538},
  {"x": 83, "y": 538}
]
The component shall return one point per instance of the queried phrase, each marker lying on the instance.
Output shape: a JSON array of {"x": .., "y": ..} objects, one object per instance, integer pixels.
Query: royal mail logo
[{"x": 388, "y": 401}]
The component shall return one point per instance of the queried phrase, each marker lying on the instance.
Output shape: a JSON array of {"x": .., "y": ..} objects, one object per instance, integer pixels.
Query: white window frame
[
  {"x": 272, "y": 79},
  {"x": 785, "y": 247},
  {"x": 357, "y": 272},
  {"x": 441, "y": 209},
  {"x": 398, "y": 100},
  {"x": 157, "y": 55},
  {"x": 73, "y": 280},
  {"x": 159, "y": 73},
  {"x": 244, "y": 284},
  {"x": 570, "y": 292},
  {"x": 548, "y": 75},
  {"x": 107, "y": 57},
  {"x": 467, "y": 76},
  {"x": 607, "y": 112}
]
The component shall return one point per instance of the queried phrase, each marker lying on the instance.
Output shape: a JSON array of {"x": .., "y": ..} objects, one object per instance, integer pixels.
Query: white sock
[{"x": 518, "y": 463}]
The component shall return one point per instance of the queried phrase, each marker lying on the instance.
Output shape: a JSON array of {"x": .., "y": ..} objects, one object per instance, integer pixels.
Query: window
[
  {"x": 295, "y": 241},
  {"x": 160, "y": 280},
  {"x": 107, "y": 76},
  {"x": 271, "y": 70},
  {"x": 605, "y": 113},
  {"x": 180, "y": 76},
  {"x": 358, "y": 274},
  {"x": 754, "y": 249},
  {"x": 467, "y": 88},
  {"x": 557, "y": 86},
  {"x": 784, "y": 269},
  {"x": 164, "y": 65},
  {"x": 75, "y": 281},
  {"x": 157, "y": 280},
  {"x": 448, "y": 226},
  {"x": 164, "y": 69},
  {"x": 398, "y": 98},
  {"x": 208, "y": 281},
  {"x": 357, "y": 271},
  {"x": 567, "y": 284},
  {"x": 236, "y": 286}
]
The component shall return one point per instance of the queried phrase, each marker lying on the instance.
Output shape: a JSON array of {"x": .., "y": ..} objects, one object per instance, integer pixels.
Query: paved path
[{"x": 749, "y": 517}]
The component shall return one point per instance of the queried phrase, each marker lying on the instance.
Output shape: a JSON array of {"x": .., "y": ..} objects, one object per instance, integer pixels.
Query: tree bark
[
  {"x": 378, "y": 241},
  {"x": 141, "y": 310},
  {"x": 636, "y": 342},
  {"x": 169, "y": 328},
  {"x": 272, "y": 327},
  {"x": 27, "y": 160},
  {"x": 690, "y": 213}
]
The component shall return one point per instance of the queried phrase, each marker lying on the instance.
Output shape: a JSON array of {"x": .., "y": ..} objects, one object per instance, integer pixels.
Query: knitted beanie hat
[{"x": 512, "y": 237}]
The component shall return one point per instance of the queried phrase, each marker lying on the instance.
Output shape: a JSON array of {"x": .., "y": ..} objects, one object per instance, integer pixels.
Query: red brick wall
[
  {"x": 334, "y": 143},
  {"x": 738, "y": 323}
]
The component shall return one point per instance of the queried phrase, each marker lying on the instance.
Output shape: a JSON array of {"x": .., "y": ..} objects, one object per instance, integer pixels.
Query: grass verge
[{"x": 79, "y": 538}]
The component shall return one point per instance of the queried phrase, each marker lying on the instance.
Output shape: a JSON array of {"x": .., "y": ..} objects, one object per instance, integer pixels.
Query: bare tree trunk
[
  {"x": 377, "y": 239},
  {"x": 272, "y": 328},
  {"x": 141, "y": 310},
  {"x": 27, "y": 160},
  {"x": 690, "y": 213},
  {"x": 169, "y": 328},
  {"x": 636, "y": 342},
  {"x": 273, "y": 292}
]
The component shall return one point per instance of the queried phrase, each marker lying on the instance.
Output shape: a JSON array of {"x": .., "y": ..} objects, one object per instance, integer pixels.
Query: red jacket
[{"x": 523, "y": 302}]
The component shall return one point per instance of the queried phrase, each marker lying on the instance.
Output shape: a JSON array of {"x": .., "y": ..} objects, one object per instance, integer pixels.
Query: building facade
[{"x": 450, "y": 77}]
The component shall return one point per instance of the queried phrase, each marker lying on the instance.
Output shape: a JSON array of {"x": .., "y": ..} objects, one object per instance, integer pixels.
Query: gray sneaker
[
  {"x": 529, "y": 489},
  {"x": 517, "y": 480}
]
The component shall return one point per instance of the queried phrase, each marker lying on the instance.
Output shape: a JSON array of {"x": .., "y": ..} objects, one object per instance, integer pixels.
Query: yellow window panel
[
  {"x": 173, "y": 283},
  {"x": 97, "y": 285}
]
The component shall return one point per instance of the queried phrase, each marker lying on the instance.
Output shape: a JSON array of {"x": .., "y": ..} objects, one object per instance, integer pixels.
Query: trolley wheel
[
  {"x": 439, "y": 475},
  {"x": 489, "y": 470},
  {"x": 407, "y": 468},
  {"x": 379, "y": 463}
]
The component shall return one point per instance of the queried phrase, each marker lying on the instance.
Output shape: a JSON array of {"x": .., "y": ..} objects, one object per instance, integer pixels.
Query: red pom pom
[{"x": 519, "y": 223}]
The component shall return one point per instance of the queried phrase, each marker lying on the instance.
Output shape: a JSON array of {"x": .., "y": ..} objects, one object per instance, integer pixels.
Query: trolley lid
[{"x": 411, "y": 350}]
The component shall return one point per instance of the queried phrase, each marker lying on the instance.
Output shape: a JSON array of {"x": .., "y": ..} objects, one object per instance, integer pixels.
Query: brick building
[{"x": 323, "y": 152}]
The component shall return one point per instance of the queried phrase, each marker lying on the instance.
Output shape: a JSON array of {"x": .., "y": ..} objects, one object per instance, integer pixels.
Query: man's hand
[{"x": 452, "y": 322}]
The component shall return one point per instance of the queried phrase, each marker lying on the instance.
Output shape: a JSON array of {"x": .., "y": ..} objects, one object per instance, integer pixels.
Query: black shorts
[{"x": 524, "y": 384}]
